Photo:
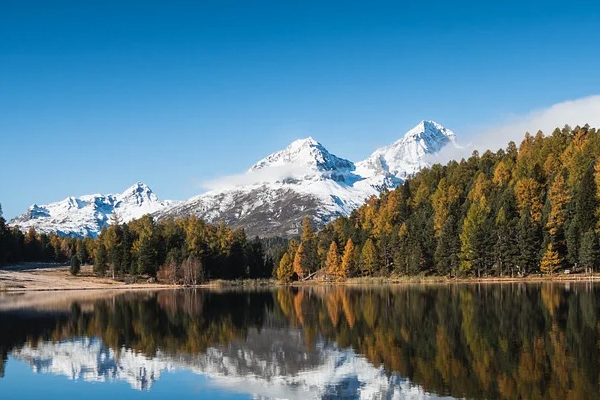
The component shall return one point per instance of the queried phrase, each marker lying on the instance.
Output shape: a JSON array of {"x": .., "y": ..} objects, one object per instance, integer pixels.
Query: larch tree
[
  {"x": 285, "y": 271},
  {"x": 300, "y": 262},
  {"x": 550, "y": 260},
  {"x": 348, "y": 267},
  {"x": 333, "y": 263}
]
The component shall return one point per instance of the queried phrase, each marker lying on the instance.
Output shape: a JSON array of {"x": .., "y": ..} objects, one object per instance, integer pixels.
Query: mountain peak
[
  {"x": 428, "y": 130},
  {"x": 305, "y": 153}
]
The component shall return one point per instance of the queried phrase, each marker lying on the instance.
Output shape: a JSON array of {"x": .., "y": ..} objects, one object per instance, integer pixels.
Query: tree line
[
  {"x": 178, "y": 251},
  {"x": 520, "y": 210}
]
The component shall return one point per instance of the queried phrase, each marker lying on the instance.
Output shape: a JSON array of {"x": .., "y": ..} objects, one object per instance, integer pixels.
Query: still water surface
[{"x": 509, "y": 341}]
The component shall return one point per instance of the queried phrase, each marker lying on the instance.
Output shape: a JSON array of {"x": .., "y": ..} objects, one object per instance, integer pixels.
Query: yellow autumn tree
[
  {"x": 441, "y": 199},
  {"x": 559, "y": 199},
  {"x": 528, "y": 193},
  {"x": 300, "y": 262},
  {"x": 502, "y": 174},
  {"x": 333, "y": 260},
  {"x": 550, "y": 261},
  {"x": 348, "y": 266},
  {"x": 285, "y": 271}
]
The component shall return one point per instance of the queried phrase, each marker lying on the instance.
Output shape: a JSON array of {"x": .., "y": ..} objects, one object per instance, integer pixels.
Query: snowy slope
[
  {"x": 389, "y": 165},
  {"x": 269, "y": 364},
  {"x": 86, "y": 215},
  {"x": 270, "y": 198},
  {"x": 306, "y": 179}
]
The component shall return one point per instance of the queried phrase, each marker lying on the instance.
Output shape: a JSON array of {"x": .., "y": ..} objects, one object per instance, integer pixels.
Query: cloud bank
[{"x": 272, "y": 174}]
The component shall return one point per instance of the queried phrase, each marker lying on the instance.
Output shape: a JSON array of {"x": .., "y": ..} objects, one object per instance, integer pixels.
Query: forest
[
  {"x": 186, "y": 251},
  {"x": 521, "y": 210}
]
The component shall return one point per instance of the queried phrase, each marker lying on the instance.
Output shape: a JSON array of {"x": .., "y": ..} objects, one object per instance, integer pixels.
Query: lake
[{"x": 475, "y": 341}]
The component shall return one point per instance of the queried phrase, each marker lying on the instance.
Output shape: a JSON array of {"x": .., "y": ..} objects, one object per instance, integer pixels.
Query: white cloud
[
  {"x": 575, "y": 112},
  {"x": 270, "y": 174}
]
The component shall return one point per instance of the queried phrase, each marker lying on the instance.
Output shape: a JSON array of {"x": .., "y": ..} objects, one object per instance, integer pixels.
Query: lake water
[{"x": 492, "y": 341}]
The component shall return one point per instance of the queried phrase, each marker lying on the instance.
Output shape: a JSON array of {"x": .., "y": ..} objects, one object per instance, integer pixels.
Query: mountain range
[{"x": 269, "y": 199}]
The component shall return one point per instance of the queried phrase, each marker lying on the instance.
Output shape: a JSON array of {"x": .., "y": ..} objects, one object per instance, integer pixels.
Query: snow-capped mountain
[
  {"x": 390, "y": 165},
  {"x": 87, "y": 215},
  {"x": 270, "y": 198},
  {"x": 267, "y": 364},
  {"x": 305, "y": 179}
]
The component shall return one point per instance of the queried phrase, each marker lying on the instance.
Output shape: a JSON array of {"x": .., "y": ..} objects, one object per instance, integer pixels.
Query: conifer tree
[
  {"x": 368, "y": 258},
  {"x": 587, "y": 202},
  {"x": 348, "y": 266},
  {"x": 309, "y": 242},
  {"x": 285, "y": 271},
  {"x": 100, "y": 266},
  {"x": 550, "y": 261},
  {"x": 589, "y": 252},
  {"x": 300, "y": 262},
  {"x": 448, "y": 248},
  {"x": 529, "y": 243},
  {"x": 333, "y": 260},
  {"x": 472, "y": 238},
  {"x": 75, "y": 266}
]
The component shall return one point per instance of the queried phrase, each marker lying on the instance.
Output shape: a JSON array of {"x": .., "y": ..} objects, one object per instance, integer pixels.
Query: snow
[
  {"x": 88, "y": 214},
  {"x": 309, "y": 171},
  {"x": 272, "y": 195},
  {"x": 280, "y": 369}
]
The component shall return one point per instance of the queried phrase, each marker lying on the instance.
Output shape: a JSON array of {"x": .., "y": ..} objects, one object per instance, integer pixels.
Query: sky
[{"x": 96, "y": 95}]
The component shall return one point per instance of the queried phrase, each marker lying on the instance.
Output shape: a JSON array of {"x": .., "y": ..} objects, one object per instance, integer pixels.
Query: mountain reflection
[{"x": 463, "y": 341}]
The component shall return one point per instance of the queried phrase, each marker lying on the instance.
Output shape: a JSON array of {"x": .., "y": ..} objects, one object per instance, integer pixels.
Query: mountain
[
  {"x": 390, "y": 165},
  {"x": 86, "y": 215},
  {"x": 273, "y": 196},
  {"x": 269, "y": 199},
  {"x": 267, "y": 364}
]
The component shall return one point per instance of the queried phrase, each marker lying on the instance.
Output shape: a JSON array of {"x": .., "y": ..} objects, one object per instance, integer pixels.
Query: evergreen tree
[
  {"x": 529, "y": 243},
  {"x": 100, "y": 266},
  {"x": 147, "y": 257},
  {"x": 448, "y": 248},
  {"x": 75, "y": 266},
  {"x": 473, "y": 237},
  {"x": 368, "y": 258},
  {"x": 587, "y": 202},
  {"x": 589, "y": 252}
]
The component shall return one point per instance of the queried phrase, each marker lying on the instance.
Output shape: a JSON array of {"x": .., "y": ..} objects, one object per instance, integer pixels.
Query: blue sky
[{"x": 95, "y": 95}]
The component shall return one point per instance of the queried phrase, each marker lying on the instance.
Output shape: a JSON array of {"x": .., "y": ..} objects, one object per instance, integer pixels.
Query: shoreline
[{"x": 40, "y": 277}]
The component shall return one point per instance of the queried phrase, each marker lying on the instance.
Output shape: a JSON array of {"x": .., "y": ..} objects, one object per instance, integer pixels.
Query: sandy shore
[{"x": 46, "y": 277}]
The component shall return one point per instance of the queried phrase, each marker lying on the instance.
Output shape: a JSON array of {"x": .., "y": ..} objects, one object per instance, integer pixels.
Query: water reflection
[{"x": 463, "y": 341}]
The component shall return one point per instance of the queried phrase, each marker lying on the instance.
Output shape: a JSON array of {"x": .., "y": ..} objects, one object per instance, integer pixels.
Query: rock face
[
  {"x": 269, "y": 199},
  {"x": 87, "y": 215},
  {"x": 305, "y": 179}
]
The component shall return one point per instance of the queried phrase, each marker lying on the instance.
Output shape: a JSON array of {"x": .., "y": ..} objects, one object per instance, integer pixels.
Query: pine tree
[
  {"x": 147, "y": 257},
  {"x": 333, "y": 260},
  {"x": 285, "y": 271},
  {"x": 529, "y": 243},
  {"x": 550, "y": 261},
  {"x": 472, "y": 238},
  {"x": 368, "y": 258},
  {"x": 448, "y": 248},
  {"x": 589, "y": 252},
  {"x": 587, "y": 203},
  {"x": 100, "y": 266},
  {"x": 75, "y": 266}
]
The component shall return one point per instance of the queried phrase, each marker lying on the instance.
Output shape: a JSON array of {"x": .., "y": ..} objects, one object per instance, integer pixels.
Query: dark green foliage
[
  {"x": 589, "y": 252},
  {"x": 75, "y": 266},
  {"x": 100, "y": 262}
]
